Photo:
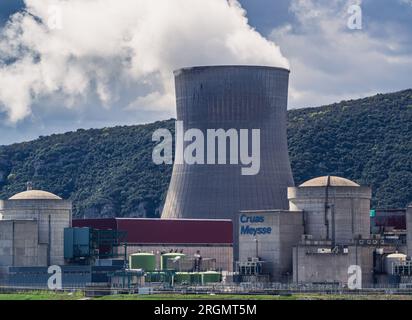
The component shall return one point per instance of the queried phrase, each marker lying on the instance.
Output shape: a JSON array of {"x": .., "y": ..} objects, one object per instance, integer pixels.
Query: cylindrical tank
[
  {"x": 155, "y": 277},
  {"x": 196, "y": 278},
  {"x": 170, "y": 261},
  {"x": 334, "y": 208},
  {"x": 145, "y": 261},
  {"x": 393, "y": 259},
  {"x": 379, "y": 251},
  {"x": 211, "y": 277},
  {"x": 182, "y": 278},
  {"x": 231, "y": 97}
]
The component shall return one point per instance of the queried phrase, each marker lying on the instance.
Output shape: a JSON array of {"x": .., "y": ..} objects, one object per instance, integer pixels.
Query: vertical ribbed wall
[
  {"x": 238, "y": 97},
  {"x": 347, "y": 216}
]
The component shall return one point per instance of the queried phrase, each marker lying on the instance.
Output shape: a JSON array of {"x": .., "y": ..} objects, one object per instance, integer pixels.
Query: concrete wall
[
  {"x": 19, "y": 244},
  {"x": 348, "y": 211},
  {"x": 37, "y": 277},
  {"x": 52, "y": 216},
  {"x": 409, "y": 230},
  {"x": 275, "y": 248},
  {"x": 6, "y": 243},
  {"x": 312, "y": 267},
  {"x": 290, "y": 232}
]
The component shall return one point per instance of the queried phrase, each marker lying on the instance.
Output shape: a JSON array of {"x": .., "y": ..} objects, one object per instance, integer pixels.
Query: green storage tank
[
  {"x": 182, "y": 278},
  {"x": 169, "y": 256},
  {"x": 196, "y": 278},
  {"x": 155, "y": 277},
  {"x": 145, "y": 261},
  {"x": 211, "y": 277}
]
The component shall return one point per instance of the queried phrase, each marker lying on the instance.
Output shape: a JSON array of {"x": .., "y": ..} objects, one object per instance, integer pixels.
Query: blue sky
[
  {"x": 8, "y": 7},
  {"x": 328, "y": 61}
]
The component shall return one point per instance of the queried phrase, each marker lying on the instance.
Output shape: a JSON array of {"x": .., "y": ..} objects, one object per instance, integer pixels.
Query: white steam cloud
[{"x": 83, "y": 49}]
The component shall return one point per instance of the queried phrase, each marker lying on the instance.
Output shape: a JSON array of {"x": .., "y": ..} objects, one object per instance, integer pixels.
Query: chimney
[{"x": 29, "y": 185}]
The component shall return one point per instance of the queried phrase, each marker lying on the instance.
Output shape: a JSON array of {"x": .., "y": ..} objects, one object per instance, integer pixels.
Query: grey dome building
[
  {"x": 232, "y": 97},
  {"x": 35, "y": 195},
  {"x": 334, "y": 208},
  {"x": 32, "y": 224}
]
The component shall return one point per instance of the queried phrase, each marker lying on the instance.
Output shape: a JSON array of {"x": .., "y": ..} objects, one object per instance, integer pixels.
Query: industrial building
[
  {"x": 336, "y": 215},
  {"x": 388, "y": 220},
  {"x": 409, "y": 229},
  {"x": 326, "y": 230},
  {"x": 217, "y": 225},
  {"x": 32, "y": 224},
  {"x": 266, "y": 241},
  {"x": 212, "y": 239},
  {"x": 37, "y": 231},
  {"x": 231, "y": 97}
]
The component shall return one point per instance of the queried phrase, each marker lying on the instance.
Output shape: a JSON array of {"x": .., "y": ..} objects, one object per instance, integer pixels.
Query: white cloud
[
  {"x": 330, "y": 63},
  {"x": 152, "y": 101},
  {"x": 406, "y": 2},
  {"x": 104, "y": 46}
]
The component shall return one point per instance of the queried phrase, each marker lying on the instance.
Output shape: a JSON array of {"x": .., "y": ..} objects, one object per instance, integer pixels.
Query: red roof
[
  {"x": 101, "y": 224},
  {"x": 162, "y": 231}
]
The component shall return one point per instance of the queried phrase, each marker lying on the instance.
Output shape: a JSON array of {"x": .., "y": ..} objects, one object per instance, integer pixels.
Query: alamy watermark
[
  {"x": 355, "y": 18},
  {"x": 55, "y": 280},
  {"x": 244, "y": 147},
  {"x": 354, "y": 277}
]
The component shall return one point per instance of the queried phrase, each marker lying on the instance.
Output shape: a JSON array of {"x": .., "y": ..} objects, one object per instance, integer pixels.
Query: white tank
[{"x": 393, "y": 259}]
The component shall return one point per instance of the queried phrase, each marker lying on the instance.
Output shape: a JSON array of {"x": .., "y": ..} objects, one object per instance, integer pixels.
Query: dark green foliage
[
  {"x": 109, "y": 172},
  {"x": 368, "y": 141},
  {"x": 106, "y": 172}
]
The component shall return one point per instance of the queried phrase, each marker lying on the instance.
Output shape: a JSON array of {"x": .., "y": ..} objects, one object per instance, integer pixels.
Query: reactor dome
[
  {"x": 35, "y": 195},
  {"x": 330, "y": 181},
  {"x": 397, "y": 256}
]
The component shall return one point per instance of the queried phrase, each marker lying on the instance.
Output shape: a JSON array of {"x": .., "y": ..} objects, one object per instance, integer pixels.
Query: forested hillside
[
  {"x": 109, "y": 172},
  {"x": 367, "y": 140}
]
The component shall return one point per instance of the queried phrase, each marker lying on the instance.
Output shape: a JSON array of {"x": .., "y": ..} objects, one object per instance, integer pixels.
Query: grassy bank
[
  {"x": 161, "y": 297},
  {"x": 42, "y": 295}
]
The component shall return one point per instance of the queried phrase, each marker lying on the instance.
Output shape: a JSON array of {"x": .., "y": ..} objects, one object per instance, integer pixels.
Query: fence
[{"x": 230, "y": 288}]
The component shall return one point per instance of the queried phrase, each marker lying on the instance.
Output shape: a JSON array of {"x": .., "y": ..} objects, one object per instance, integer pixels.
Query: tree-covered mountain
[
  {"x": 108, "y": 172},
  {"x": 105, "y": 172}
]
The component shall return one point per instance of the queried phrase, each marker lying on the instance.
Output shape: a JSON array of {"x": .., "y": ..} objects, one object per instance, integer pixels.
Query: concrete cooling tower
[{"x": 232, "y": 97}]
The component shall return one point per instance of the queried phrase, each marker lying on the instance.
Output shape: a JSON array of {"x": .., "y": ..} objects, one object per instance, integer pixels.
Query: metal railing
[{"x": 230, "y": 288}]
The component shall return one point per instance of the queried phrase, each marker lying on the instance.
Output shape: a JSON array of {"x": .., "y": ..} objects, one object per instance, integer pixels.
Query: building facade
[
  {"x": 270, "y": 237},
  {"x": 33, "y": 225},
  {"x": 212, "y": 239}
]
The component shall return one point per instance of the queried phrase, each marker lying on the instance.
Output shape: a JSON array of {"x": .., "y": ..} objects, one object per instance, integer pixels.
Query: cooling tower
[{"x": 232, "y": 97}]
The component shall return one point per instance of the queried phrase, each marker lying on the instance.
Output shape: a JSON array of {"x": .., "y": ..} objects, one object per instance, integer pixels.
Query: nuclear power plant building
[
  {"x": 232, "y": 97},
  {"x": 32, "y": 227},
  {"x": 218, "y": 225}
]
